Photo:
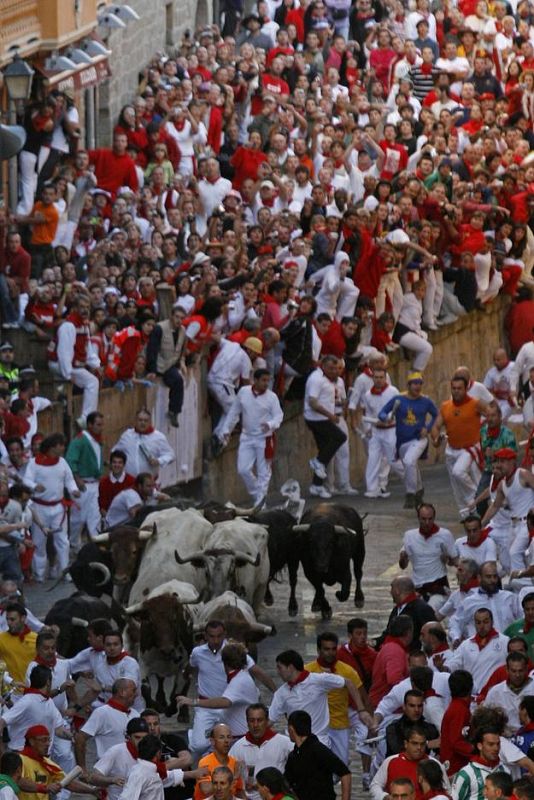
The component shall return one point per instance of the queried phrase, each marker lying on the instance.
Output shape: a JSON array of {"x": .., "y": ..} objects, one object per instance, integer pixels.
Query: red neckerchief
[
  {"x": 115, "y": 659},
  {"x": 267, "y": 735},
  {"x": 22, "y": 635},
  {"x": 31, "y": 690},
  {"x": 389, "y": 639},
  {"x": 440, "y": 649},
  {"x": 97, "y": 649},
  {"x": 150, "y": 429},
  {"x": 494, "y": 485},
  {"x": 97, "y": 437},
  {"x": 324, "y": 665},
  {"x": 367, "y": 370},
  {"x": 132, "y": 749},
  {"x": 46, "y": 461},
  {"x": 48, "y": 766},
  {"x": 268, "y": 202},
  {"x": 479, "y": 642},
  {"x": 212, "y": 180},
  {"x": 527, "y": 728},
  {"x": 484, "y": 761},
  {"x": 404, "y": 757},
  {"x": 161, "y": 769},
  {"x": 43, "y": 663},
  {"x": 494, "y": 432},
  {"x": 179, "y": 125},
  {"x": 484, "y": 533},
  {"x": 300, "y": 677},
  {"x": 527, "y": 627},
  {"x": 231, "y": 675},
  {"x": 77, "y": 320},
  {"x": 434, "y": 529},
  {"x": 278, "y": 796},
  {"x": 118, "y": 706},
  {"x": 374, "y": 390},
  {"x": 408, "y": 599}
]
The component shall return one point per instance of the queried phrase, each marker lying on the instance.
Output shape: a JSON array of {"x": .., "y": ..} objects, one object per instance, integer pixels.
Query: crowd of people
[{"x": 315, "y": 185}]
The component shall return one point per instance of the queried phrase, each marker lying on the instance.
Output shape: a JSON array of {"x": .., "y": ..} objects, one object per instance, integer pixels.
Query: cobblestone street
[{"x": 385, "y": 524}]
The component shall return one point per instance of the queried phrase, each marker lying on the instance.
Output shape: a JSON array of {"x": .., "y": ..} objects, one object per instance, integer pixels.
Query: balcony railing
[{"x": 20, "y": 28}]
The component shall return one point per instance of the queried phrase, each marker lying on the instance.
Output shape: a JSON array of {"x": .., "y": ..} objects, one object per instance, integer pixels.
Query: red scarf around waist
[
  {"x": 267, "y": 735},
  {"x": 300, "y": 677},
  {"x": 481, "y": 642},
  {"x": 48, "y": 767}
]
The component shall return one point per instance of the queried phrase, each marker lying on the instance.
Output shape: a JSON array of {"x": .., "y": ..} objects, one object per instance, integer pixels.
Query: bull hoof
[
  {"x": 268, "y": 599},
  {"x": 293, "y": 609},
  {"x": 316, "y": 605},
  {"x": 326, "y": 613},
  {"x": 359, "y": 600},
  {"x": 273, "y": 632},
  {"x": 342, "y": 597}
]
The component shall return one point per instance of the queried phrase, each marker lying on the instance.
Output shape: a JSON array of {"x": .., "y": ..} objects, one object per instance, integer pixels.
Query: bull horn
[
  {"x": 257, "y": 627},
  {"x": 146, "y": 534},
  {"x": 198, "y": 628},
  {"x": 301, "y": 528},
  {"x": 133, "y": 609},
  {"x": 343, "y": 529},
  {"x": 187, "y": 559},
  {"x": 79, "y": 622},
  {"x": 102, "y": 538},
  {"x": 248, "y": 558},
  {"x": 104, "y": 571},
  {"x": 192, "y": 602}
]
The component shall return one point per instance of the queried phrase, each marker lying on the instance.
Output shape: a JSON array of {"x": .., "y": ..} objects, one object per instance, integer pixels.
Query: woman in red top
[
  {"x": 246, "y": 160},
  {"x": 381, "y": 58}
]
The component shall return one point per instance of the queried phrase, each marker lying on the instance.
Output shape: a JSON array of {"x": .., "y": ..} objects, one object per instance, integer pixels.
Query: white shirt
[
  {"x": 242, "y": 692},
  {"x": 138, "y": 445},
  {"x": 478, "y": 391},
  {"x": 60, "y": 674},
  {"x": 211, "y": 678},
  {"x": 501, "y": 695},
  {"x": 271, "y": 753},
  {"x": 230, "y": 365},
  {"x": 411, "y": 313},
  {"x": 108, "y": 726},
  {"x": 255, "y": 410},
  {"x": 66, "y": 338},
  {"x": 144, "y": 782},
  {"x": 106, "y": 675},
  {"x": 55, "y": 479},
  {"x": 501, "y": 382},
  {"x": 504, "y": 606},
  {"x": 487, "y": 551},
  {"x": 212, "y": 194},
  {"x": 86, "y": 660},
  {"x": 378, "y": 785},
  {"x": 480, "y": 663},
  {"x": 361, "y": 385},
  {"x": 30, "y": 709},
  {"x": 309, "y": 695},
  {"x": 7, "y": 793},
  {"x": 119, "y": 762},
  {"x": 426, "y": 554},
  {"x": 374, "y": 403},
  {"x": 392, "y": 703},
  {"x": 121, "y": 505},
  {"x": 32, "y": 622},
  {"x": 323, "y": 391},
  {"x": 525, "y": 361}
]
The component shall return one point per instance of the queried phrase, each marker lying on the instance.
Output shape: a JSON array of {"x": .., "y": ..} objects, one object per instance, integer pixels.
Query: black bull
[
  {"x": 71, "y": 615},
  {"x": 331, "y": 539}
]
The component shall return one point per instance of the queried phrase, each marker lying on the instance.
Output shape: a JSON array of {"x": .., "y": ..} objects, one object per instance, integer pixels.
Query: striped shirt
[{"x": 423, "y": 82}]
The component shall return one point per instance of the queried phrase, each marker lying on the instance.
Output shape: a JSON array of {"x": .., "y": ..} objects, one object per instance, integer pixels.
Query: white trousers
[
  {"x": 494, "y": 286},
  {"x": 464, "y": 474},
  {"x": 85, "y": 380},
  {"x": 389, "y": 285},
  {"x": 85, "y": 511},
  {"x": 381, "y": 447},
  {"x": 501, "y": 537},
  {"x": 410, "y": 453},
  {"x": 338, "y": 470},
  {"x": 63, "y": 754},
  {"x": 250, "y": 455},
  {"x": 434, "y": 295},
  {"x": 198, "y": 734},
  {"x": 339, "y": 743},
  {"x": 29, "y": 167},
  {"x": 421, "y": 347},
  {"x": 53, "y": 517},
  {"x": 225, "y": 396},
  {"x": 519, "y": 543},
  {"x": 346, "y": 301}
]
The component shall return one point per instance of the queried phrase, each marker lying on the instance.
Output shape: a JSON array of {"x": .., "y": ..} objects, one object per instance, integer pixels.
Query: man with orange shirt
[
  {"x": 460, "y": 416},
  {"x": 44, "y": 219},
  {"x": 221, "y": 741}
]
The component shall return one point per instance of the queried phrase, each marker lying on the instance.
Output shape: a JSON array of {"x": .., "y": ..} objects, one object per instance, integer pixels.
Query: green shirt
[
  {"x": 81, "y": 458},
  {"x": 517, "y": 628},
  {"x": 504, "y": 438}
]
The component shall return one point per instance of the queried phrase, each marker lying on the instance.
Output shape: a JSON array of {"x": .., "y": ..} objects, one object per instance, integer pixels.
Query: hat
[
  {"x": 320, "y": 25},
  {"x": 289, "y": 264},
  {"x": 233, "y": 193},
  {"x": 371, "y": 203},
  {"x": 446, "y": 162},
  {"x": 415, "y": 376},
  {"x": 486, "y": 96},
  {"x": 137, "y": 725},
  {"x": 267, "y": 185},
  {"x": 505, "y": 453},
  {"x": 200, "y": 258},
  {"x": 6, "y": 346},
  {"x": 36, "y": 730},
  {"x": 254, "y": 344},
  {"x": 398, "y": 236},
  {"x": 268, "y": 98}
]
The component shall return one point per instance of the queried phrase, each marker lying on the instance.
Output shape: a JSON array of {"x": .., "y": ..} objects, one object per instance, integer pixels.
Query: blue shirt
[{"x": 410, "y": 416}]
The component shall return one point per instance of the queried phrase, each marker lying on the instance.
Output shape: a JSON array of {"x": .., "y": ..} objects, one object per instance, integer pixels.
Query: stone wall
[
  {"x": 160, "y": 28},
  {"x": 471, "y": 341}
]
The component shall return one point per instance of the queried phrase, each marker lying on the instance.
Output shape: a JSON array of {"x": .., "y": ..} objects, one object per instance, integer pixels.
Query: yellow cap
[
  {"x": 415, "y": 376},
  {"x": 254, "y": 344}
]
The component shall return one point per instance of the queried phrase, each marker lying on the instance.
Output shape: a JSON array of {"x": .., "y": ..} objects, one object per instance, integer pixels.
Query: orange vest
[{"x": 462, "y": 422}]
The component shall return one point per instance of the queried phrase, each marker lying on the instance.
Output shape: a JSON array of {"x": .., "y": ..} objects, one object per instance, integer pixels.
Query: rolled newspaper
[{"x": 71, "y": 776}]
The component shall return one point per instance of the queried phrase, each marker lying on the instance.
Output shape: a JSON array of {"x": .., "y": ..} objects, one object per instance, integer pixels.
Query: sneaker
[
  {"x": 383, "y": 493},
  {"x": 366, "y": 781},
  {"x": 81, "y": 422},
  {"x": 409, "y": 501},
  {"x": 320, "y": 491},
  {"x": 172, "y": 416},
  {"x": 318, "y": 468},
  {"x": 372, "y": 495},
  {"x": 347, "y": 490}
]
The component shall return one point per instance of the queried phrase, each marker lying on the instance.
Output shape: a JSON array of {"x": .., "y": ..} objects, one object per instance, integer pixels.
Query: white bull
[
  {"x": 238, "y": 616},
  {"x": 185, "y": 530},
  {"x": 234, "y": 557}
]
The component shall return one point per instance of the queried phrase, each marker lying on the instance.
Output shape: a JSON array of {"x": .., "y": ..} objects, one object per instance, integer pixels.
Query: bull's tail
[
  {"x": 59, "y": 579},
  {"x": 51, "y": 551}
]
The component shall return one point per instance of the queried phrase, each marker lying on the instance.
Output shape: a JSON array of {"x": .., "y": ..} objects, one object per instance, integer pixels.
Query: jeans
[
  {"x": 174, "y": 380},
  {"x": 8, "y": 310},
  {"x": 10, "y": 564}
]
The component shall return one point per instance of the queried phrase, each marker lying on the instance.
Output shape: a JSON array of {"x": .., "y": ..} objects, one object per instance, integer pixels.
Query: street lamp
[{"x": 18, "y": 80}]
